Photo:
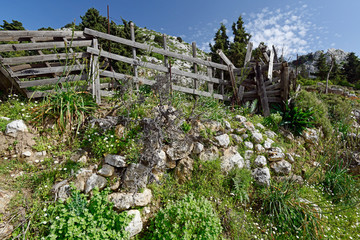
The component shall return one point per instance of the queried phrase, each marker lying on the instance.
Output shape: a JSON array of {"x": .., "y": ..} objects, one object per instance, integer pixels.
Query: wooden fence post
[
  {"x": 210, "y": 85},
  {"x": 248, "y": 53},
  {"x": 196, "y": 82},
  {"x": 271, "y": 63},
  {"x": 262, "y": 91},
  {"x": 285, "y": 82},
  {"x": 95, "y": 76},
  {"x": 132, "y": 32}
]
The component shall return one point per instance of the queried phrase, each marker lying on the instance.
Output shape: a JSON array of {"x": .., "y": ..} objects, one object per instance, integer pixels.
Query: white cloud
[{"x": 224, "y": 21}]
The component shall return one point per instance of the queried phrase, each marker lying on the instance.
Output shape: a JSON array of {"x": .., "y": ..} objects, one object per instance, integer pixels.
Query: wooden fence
[{"x": 48, "y": 54}]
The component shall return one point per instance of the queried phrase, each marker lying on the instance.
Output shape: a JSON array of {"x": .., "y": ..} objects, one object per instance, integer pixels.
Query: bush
[
  {"x": 79, "y": 219},
  {"x": 240, "y": 184},
  {"x": 188, "y": 218},
  {"x": 273, "y": 121},
  {"x": 159, "y": 39},
  {"x": 308, "y": 100},
  {"x": 179, "y": 39}
]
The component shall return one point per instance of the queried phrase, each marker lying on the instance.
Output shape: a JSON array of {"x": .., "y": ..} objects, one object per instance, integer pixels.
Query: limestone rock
[
  {"x": 259, "y": 148},
  {"x": 5, "y": 197},
  {"x": 106, "y": 170},
  {"x": 249, "y": 145},
  {"x": 223, "y": 140},
  {"x": 311, "y": 136},
  {"x": 240, "y": 131},
  {"x": 179, "y": 149},
  {"x": 240, "y": 118},
  {"x": 136, "y": 224},
  {"x": 115, "y": 160},
  {"x": 270, "y": 134},
  {"x": 210, "y": 154},
  {"x": 119, "y": 131},
  {"x": 249, "y": 154},
  {"x": 14, "y": 127},
  {"x": 290, "y": 158},
  {"x": 245, "y": 136},
  {"x": 249, "y": 126},
  {"x": 95, "y": 181},
  {"x": 61, "y": 190},
  {"x": 259, "y": 125},
  {"x": 267, "y": 144},
  {"x": 184, "y": 169},
  {"x": 260, "y": 161},
  {"x": 236, "y": 138},
  {"x": 5, "y": 230},
  {"x": 282, "y": 167},
  {"x": 123, "y": 201},
  {"x": 198, "y": 148},
  {"x": 293, "y": 178},
  {"x": 81, "y": 178},
  {"x": 227, "y": 124},
  {"x": 261, "y": 176},
  {"x": 27, "y": 154},
  {"x": 231, "y": 159},
  {"x": 136, "y": 177},
  {"x": 214, "y": 126},
  {"x": 257, "y": 137}
]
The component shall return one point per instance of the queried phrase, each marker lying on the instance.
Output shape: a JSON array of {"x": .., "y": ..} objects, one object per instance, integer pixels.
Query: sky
[{"x": 293, "y": 26}]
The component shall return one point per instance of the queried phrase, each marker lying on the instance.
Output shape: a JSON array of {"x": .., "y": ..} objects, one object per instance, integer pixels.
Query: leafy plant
[
  {"x": 241, "y": 181},
  {"x": 273, "y": 121},
  {"x": 296, "y": 119},
  {"x": 189, "y": 218},
  {"x": 78, "y": 218},
  {"x": 186, "y": 127}
]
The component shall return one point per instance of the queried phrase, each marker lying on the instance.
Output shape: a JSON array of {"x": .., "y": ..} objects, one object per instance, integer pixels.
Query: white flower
[
  {"x": 44, "y": 222},
  {"x": 57, "y": 217}
]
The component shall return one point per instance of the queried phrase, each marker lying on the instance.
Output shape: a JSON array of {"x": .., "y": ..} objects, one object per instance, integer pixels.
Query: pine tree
[
  {"x": 15, "y": 25},
  {"x": 237, "y": 50},
  {"x": 322, "y": 67},
  {"x": 351, "y": 68},
  {"x": 221, "y": 42}
]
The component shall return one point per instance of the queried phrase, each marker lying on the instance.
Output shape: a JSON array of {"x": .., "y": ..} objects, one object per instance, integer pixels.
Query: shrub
[
  {"x": 188, "y": 218},
  {"x": 273, "y": 121},
  {"x": 240, "y": 184},
  {"x": 159, "y": 39},
  {"x": 78, "y": 218},
  {"x": 309, "y": 101},
  {"x": 179, "y": 39}
]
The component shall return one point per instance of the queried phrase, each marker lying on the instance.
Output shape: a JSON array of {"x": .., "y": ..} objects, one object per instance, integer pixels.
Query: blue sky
[{"x": 294, "y": 26}]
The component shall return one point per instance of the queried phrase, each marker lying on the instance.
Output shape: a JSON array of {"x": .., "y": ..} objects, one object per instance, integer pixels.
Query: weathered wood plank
[
  {"x": 52, "y": 81},
  {"x": 135, "y": 67},
  {"x": 285, "y": 82},
  {"x": 40, "y": 46},
  {"x": 275, "y": 55},
  {"x": 40, "y": 71},
  {"x": 153, "y": 49},
  {"x": 271, "y": 63},
  {"x": 241, "y": 93},
  {"x": 43, "y": 58},
  {"x": 95, "y": 74},
  {"x": 16, "y": 35},
  {"x": 153, "y": 66},
  {"x": 210, "y": 72},
  {"x": 194, "y": 54},
  {"x": 273, "y": 87},
  {"x": 248, "y": 53},
  {"x": 262, "y": 91},
  {"x": 250, "y": 70}
]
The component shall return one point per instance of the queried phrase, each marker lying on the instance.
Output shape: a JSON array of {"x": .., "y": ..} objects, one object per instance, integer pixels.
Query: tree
[
  {"x": 221, "y": 41},
  {"x": 351, "y": 68},
  {"x": 15, "y": 25},
  {"x": 237, "y": 51},
  {"x": 322, "y": 67}
]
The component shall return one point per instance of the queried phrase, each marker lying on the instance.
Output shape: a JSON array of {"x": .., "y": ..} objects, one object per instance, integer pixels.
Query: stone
[
  {"x": 210, "y": 154},
  {"x": 290, "y": 158},
  {"x": 231, "y": 159},
  {"x": 13, "y": 128},
  {"x": 61, "y": 190},
  {"x": 257, "y": 137},
  {"x": 259, "y": 125},
  {"x": 180, "y": 149},
  {"x": 136, "y": 176},
  {"x": 249, "y": 145},
  {"x": 136, "y": 224},
  {"x": 81, "y": 178},
  {"x": 311, "y": 136},
  {"x": 5, "y": 230},
  {"x": 236, "y": 138},
  {"x": 270, "y": 134},
  {"x": 198, "y": 148},
  {"x": 282, "y": 167},
  {"x": 5, "y": 197},
  {"x": 276, "y": 156},
  {"x": 184, "y": 169},
  {"x": 5, "y": 118},
  {"x": 259, "y": 148},
  {"x": 227, "y": 124},
  {"x": 222, "y": 140},
  {"x": 83, "y": 159},
  {"x": 119, "y": 131},
  {"x": 245, "y": 136},
  {"x": 240, "y": 118},
  {"x": 249, "y": 126},
  {"x": 260, "y": 161},
  {"x": 293, "y": 178},
  {"x": 267, "y": 144},
  {"x": 27, "y": 154},
  {"x": 288, "y": 135},
  {"x": 240, "y": 131},
  {"x": 249, "y": 154},
  {"x": 106, "y": 170},
  {"x": 40, "y": 154},
  {"x": 116, "y": 185},
  {"x": 213, "y": 126},
  {"x": 125, "y": 200},
  {"x": 115, "y": 160},
  {"x": 95, "y": 181},
  {"x": 261, "y": 176}
]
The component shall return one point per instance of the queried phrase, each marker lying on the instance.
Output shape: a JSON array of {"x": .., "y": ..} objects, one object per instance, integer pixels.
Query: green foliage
[
  {"x": 179, "y": 39},
  {"x": 3, "y": 124},
  {"x": 322, "y": 67},
  {"x": 68, "y": 109},
  {"x": 159, "y": 40},
  {"x": 14, "y": 25},
  {"x": 309, "y": 101},
  {"x": 351, "y": 68},
  {"x": 290, "y": 216},
  {"x": 273, "y": 121},
  {"x": 78, "y": 218},
  {"x": 296, "y": 119},
  {"x": 241, "y": 181},
  {"x": 221, "y": 41},
  {"x": 249, "y": 107},
  {"x": 189, "y": 218},
  {"x": 186, "y": 127}
]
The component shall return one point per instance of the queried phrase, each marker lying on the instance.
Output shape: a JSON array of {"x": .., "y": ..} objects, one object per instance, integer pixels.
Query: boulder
[
  {"x": 222, "y": 140},
  {"x": 61, "y": 190},
  {"x": 184, "y": 169},
  {"x": 5, "y": 197},
  {"x": 267, "y": 144},
  {"x": 136, "y": 224},
  {"x": 81, "y": 178},
  {"x": 106, "y": 170},
  {"x": 13, "y": 128},
  {"x": 227, "y": 124},
  {"x": 240, "y": 131},
  {"x": 282, "y": 167},
  {"x": 249, "y": 154},
  {"x": 5, "y": 230},
  {"x": 213, "y": 126},
  {"x": 240, "y": 118},
  {"x": 249, "y": 126},
  {"x": 236, "y": 138},
  {"x": 198, "y": 148},
  {"x": 231, "y": 159},
  {"x": 257, "y": 137},
  {"x": 210, "y": 154},
  {"x": 270, "y": 134},
  {"x": 95, "y": 181},
  {"x": 260, "y": 161},
  {"x": 261, "y": 176},
  {"x": 115, "y": 160},
  {"x": 136, "y": 177},
  {"x": 249, "y": 145},
  {"x": 123, "y": 201},
  {"x": 179, "y": 149},
  {"x": 259, "y": 148},
  {"x": 311, "y": 136},
  {"x": 259, "y": 125}
]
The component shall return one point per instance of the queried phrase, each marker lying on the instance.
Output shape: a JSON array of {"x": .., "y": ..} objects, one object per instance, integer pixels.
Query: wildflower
[{"x": 44, "y": 222}]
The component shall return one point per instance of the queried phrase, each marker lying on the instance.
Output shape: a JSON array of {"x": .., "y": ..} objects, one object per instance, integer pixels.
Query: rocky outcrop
[{"x": 126, "y": 200}]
